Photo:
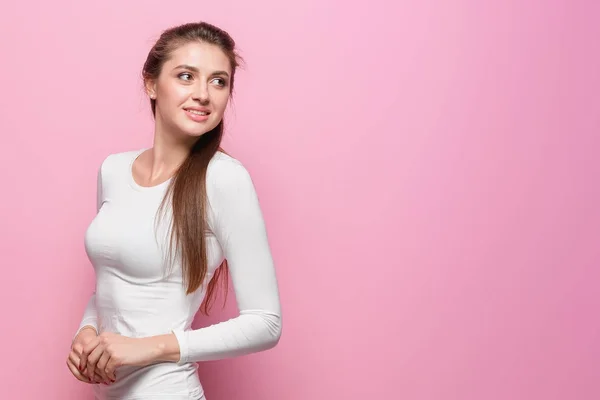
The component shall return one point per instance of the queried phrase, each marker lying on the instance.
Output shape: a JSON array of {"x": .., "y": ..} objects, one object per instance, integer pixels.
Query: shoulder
[
  {"x": 117, "y": 162},
  {"x": 227, "y": 176},
  {"x": 224, "y": 170}
]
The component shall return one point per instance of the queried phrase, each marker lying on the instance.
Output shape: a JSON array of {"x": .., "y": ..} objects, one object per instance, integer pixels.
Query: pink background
[{"x": 428, "y": 171}]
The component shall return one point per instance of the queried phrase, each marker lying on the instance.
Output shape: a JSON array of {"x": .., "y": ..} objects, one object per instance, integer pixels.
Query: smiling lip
[{"x": 197, "y": 114}]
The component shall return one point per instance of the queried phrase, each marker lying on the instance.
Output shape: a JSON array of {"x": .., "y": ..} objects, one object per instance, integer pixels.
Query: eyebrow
[{"x": 194, "y": 69}]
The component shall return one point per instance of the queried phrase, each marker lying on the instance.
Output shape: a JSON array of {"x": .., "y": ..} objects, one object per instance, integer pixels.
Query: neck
[{"x": 167, "y": 153}]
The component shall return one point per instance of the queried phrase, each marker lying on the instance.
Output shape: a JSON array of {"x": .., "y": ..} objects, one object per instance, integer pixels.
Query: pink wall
[{"x": 428, "y": 171}]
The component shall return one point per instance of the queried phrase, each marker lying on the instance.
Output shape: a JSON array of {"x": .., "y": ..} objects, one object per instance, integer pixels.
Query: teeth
[{"x": 197, "y": 112}]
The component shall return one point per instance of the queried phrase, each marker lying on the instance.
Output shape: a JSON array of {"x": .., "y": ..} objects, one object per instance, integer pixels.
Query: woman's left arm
[{"x": 237, "y": 221}]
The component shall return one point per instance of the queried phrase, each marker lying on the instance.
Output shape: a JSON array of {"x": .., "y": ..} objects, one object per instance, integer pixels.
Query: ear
[{"x": 150, "y": 86}]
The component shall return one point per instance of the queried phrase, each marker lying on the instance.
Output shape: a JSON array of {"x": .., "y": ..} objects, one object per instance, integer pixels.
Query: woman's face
[{"x": 192, "y": 89}]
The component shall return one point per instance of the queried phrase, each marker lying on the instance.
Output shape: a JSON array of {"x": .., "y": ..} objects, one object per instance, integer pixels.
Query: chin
[{"x": 196, "y": 129}]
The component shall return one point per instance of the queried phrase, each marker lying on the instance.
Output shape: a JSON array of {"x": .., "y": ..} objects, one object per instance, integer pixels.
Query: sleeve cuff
[{"x": 183, "y": 345}]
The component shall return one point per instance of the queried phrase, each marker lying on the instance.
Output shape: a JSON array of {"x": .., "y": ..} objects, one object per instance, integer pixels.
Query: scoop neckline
[{"x": 136, "y": 185}]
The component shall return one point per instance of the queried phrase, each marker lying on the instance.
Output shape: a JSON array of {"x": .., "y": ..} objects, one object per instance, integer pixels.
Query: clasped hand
[{"x": 95, "y": 358}]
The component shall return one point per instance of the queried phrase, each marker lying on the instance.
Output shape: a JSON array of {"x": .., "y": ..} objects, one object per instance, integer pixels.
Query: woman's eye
[
  {"x": 220, "y": 81},
  {"x": 185, "y": 76}
]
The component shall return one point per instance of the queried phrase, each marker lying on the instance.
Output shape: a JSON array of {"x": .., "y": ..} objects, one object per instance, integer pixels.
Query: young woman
[{"x": 173, "y": 220}]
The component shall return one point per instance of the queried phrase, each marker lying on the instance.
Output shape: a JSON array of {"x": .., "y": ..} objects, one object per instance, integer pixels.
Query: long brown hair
[{"x": 187, "y": 189}]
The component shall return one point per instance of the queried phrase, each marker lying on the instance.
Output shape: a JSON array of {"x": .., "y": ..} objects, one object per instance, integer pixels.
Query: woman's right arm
[
  {"x": 90, "y": 316},
  {"x": 88, "y": 326}
]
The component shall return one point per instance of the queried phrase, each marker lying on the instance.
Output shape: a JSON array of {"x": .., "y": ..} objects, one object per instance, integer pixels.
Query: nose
[{"x": 200, "y": 93}]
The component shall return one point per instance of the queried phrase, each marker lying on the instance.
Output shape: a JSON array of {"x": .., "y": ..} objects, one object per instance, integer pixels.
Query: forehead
[{"x": 203, "y": 56}]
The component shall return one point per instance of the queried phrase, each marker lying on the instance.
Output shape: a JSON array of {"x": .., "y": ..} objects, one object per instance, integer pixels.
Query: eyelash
[{"x": 180, "y": 76}]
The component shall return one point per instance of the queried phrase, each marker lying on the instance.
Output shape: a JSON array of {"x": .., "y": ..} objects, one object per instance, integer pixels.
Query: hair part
[{"x": 187, "y": 189}]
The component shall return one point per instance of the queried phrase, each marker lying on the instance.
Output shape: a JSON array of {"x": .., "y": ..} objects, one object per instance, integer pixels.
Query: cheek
[
  {"x": 180, "y": 94},
  {"x": 174, "y": 95},
  {"x": 220, "y": 102}
]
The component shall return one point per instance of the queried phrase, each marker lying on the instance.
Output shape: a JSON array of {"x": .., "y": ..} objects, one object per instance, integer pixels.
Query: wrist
[
  {"x": 90, "y": 327},
  {"x": 165, "y": 348}
]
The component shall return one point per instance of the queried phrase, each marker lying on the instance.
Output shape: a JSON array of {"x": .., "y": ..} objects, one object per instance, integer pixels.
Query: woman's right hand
[{"x": 86, "y": 335}]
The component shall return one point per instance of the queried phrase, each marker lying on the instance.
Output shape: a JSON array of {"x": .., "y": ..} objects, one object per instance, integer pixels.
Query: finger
[
  {"x": 101, "y": 365},
  {"x": 111, "y": 366},
  {"x": 73, "y": 362},
  {"x": 92, "y": 360},
  {"x": 74, "y": 358},
  {"x": 77, "y": 348},
  {"x": 97, "y": 378},
  {"x": 75, "y": 371},
  {"x": 87, "y": 349}
]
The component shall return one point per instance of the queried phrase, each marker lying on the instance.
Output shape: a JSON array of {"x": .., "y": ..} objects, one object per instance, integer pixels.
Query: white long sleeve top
[{"x": 135, "y": 296}]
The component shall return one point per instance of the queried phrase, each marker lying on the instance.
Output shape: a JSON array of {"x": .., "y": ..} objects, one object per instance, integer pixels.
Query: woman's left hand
[{"x": 108, "y": 351}]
